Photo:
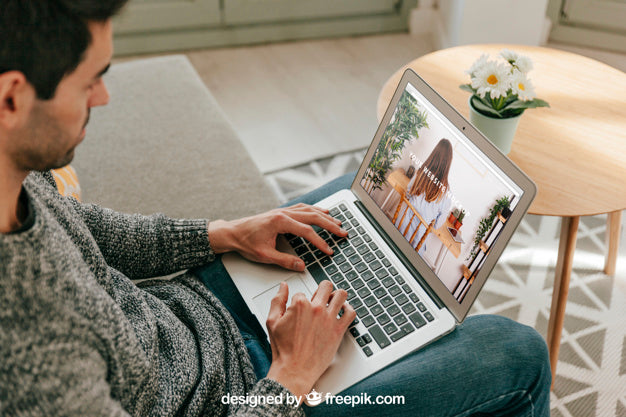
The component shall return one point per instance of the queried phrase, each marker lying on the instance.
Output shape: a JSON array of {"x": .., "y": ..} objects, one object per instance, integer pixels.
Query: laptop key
[
  {"x": 308, "y": 258},
  {"x": 363, "y": 249},
  {"x": 354, "y": 259},
  {"x": 407, "y": 328},
  {"x": 417, "y": 319},
  {"x": 382, "y": 273},
  {"x": 343, "y": 207},
  {"x": 326, "y": 261},
  {"x": 402, "y": 299},
  {"x": 345, "y": 267},
  {"x": 400, "y": 319},
  {"x": 375, "y": 266},
  {"x": 361, "y": 341},
  {"x": 344, "y": 285},
  {"x": 380, "y": 292},
  {"x": 398, "y": 335},
  {"x": 339, "y": 259},
  {"x": 368, "y": 321},
  {"x": 356, "y": 303},
  {"x": 351, "y": 275},
  {"x": 331, "y": 269},
  {"x": 407, "y": 289},
  {"x": 379, "y": 336},
  {"x": 361, "y": 267},
  {"x": 318, "y": 273},
  {"x": 414, "y": 297},
  {"x": 390, "y": 328},
  {"x": 367, "y": 275},
  {"x": 361, "y": 312},
  {"x": 408, "y": 308},
  {"x": 367, "y": 338},
  {"x": 376, "y": 309},
  {"x": 386, "y": 301},
  {"x": 368, "y": 257},
  {"x": 368, "y": 351},
  {"x": 364, "y": 292},
  {"x": 373, "y": 284},
  {"x": 380, "y": 254},
  {"x": 388, "y": 282},
  {"x": 334, "y": 211},
  {"x": 383, "y": 319},
  {"x": 370, "y": 301},
  {"x": 386, "y": 262},
  {"x": 393, "y": 310},
  {"x": 358, "y": 284},
  {"x": 395, "y": 290},
  {"x": 421, "y": 307},
  {"x": 301, "y": 250},
  {"x": 367, "y": 238},
  {"x": 429, "y": 316},
  {"x": 373, "y": 245},
  {"x": 393, "y": 271},
  {"x": 354, "y": 332}
]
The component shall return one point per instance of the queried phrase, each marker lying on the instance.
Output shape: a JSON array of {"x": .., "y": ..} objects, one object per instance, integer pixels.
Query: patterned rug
[{"x": 591, "y": 373}]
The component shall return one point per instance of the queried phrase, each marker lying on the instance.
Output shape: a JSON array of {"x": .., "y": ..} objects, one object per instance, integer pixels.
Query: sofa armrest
[{"x": 162, "y": 144}]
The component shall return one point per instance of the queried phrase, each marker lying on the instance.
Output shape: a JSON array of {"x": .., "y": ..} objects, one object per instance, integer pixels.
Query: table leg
[
  {"x": 613, "y": 226},
  {"x": 567, "y": 244}
]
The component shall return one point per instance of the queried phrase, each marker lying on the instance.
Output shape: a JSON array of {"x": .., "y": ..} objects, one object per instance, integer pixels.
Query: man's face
[{"x": 56, "y": 126}]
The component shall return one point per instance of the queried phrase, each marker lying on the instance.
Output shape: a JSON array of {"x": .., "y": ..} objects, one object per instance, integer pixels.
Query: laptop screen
[{"x": 440, "y": 191}]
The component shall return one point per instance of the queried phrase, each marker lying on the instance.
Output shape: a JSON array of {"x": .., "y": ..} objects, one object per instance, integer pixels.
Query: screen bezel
[{"x": 528, "y": 187}]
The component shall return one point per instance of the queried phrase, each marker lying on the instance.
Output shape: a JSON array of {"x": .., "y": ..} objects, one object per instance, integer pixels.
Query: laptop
[{"x": 409, "y": 280}]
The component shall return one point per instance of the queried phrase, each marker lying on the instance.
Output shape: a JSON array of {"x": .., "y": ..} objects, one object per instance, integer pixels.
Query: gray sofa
[{"x": 162, "y": 144}]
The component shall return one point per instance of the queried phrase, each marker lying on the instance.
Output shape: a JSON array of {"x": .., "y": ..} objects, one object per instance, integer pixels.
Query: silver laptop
[{"x": 431, "y": 209}]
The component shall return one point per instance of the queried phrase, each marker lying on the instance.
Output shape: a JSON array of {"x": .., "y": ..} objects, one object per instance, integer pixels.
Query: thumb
[
  {"x": 286, "y": 261},
  {"x": 279, "y": 303}
]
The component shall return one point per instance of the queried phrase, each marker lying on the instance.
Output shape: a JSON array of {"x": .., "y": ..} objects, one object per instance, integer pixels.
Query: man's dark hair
[{"x": 47, "y": 39}]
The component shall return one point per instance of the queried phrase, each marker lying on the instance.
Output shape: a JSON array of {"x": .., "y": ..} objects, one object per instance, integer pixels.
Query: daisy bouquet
[{"x": 501, "y": 89}]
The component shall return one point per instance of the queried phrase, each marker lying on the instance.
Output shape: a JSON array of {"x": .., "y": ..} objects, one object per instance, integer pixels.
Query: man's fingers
[
  {"x": 322, "y": 294},
  {"x": 279, "y": 303},
  {"x": 337, "y": 301}
]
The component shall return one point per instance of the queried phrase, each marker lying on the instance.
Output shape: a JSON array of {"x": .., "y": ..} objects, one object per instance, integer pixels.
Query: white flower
[
  {"x": 524, "y": 64},
  {"x": 480, "y": 62},
  {"x": 522, "y": 86},
  {"x": 509, "y": 55},
  {"x": 520, "y": 62},
  {"x": 492, "y": 78}
]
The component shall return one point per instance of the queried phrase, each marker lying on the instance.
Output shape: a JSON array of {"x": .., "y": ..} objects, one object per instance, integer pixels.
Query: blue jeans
[{"x": 489, "y": 365}]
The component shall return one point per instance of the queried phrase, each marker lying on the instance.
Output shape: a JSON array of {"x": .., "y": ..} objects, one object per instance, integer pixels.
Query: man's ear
[{"x": 17, "y": 96}]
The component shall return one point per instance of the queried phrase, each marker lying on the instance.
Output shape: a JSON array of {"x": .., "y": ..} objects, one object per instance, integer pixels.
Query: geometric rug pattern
[{"x": 591, "y": 372}]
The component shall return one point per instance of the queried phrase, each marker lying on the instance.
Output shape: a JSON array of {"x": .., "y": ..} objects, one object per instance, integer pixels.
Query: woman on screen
[{"x": 427, "y": 193}]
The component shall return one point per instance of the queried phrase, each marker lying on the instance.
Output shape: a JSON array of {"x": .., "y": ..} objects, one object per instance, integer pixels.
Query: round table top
[{"x": 575, "y": 151}]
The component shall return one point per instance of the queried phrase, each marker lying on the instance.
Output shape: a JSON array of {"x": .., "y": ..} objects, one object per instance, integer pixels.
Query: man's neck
[{"x": 12, "y": 211}]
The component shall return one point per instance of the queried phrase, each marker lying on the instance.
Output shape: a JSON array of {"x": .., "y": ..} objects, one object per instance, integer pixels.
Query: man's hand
[
  {"x": 255, "y": 237},
  {"x": 306, "y": 335}
]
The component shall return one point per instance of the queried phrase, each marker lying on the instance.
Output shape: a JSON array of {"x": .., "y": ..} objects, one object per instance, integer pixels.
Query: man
[{"x": 79, "y": 337}]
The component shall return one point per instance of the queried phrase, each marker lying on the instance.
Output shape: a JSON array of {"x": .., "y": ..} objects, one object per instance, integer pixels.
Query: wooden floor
[{"x": 297, "y": 101}]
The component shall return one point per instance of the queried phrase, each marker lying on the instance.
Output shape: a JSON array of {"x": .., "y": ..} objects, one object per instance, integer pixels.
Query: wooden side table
[{"x": 575, "y": 151}]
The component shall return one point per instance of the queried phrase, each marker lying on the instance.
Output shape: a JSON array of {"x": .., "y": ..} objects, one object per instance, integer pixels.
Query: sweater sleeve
[
  {"x": 147, "y": 246},
  {"x": 43, "y": 376}
]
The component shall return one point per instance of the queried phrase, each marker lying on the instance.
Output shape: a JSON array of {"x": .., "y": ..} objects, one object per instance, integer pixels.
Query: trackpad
[{"x": 263, "y": 301}]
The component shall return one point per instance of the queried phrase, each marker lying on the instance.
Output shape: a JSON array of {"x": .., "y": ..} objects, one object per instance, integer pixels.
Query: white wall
[{"x": 462, "y": 22}]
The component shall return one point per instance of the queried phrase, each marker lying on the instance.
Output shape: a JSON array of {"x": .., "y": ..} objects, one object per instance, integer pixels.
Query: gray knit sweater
[{"x": 79, "y": 338}]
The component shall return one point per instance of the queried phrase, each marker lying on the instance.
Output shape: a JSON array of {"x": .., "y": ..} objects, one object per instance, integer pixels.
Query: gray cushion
[{"x": 162, "y": 144}]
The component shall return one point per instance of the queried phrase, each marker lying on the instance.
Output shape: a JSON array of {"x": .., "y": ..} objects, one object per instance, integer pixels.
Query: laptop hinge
[{"x": 400, "y": 255}]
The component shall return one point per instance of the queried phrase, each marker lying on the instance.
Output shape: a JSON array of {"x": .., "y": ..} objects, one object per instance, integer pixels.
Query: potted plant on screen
[
  {"x": 407, "y": 120},
  {"x": 501, "y": 91}
]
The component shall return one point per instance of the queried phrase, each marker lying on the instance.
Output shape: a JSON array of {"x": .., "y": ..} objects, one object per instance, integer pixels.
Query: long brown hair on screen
[{"x": 438, "y": 163}]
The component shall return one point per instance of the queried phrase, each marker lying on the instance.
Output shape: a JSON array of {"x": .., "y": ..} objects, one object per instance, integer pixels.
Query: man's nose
[{"x": 100, "y": 95}]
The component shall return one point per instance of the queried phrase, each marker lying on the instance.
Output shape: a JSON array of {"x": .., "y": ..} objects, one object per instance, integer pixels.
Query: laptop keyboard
[{"x": 387, "y": 308}]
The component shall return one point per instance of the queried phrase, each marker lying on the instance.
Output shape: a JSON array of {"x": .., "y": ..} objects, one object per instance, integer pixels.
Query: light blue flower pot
[{"x": 499, "y": 131}]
